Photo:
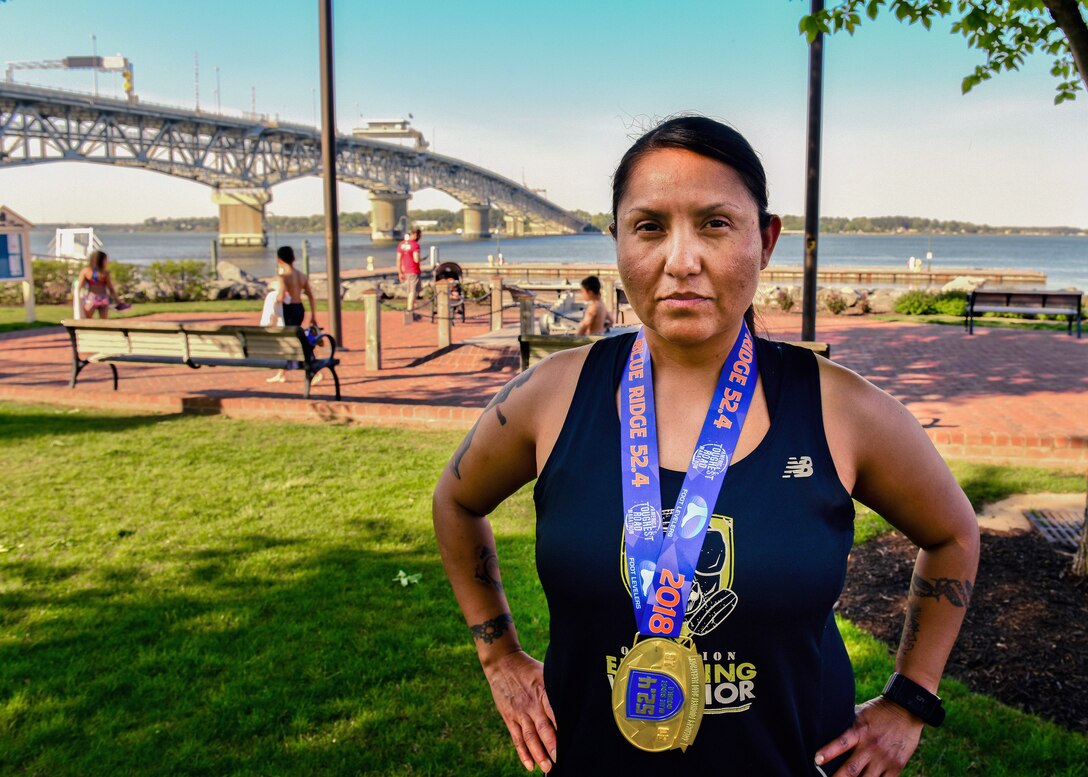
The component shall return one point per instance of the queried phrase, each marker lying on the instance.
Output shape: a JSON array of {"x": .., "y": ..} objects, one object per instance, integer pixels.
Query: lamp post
[
  {"x": 328, "y": 157},
  {"x": 812, "y": 180}
]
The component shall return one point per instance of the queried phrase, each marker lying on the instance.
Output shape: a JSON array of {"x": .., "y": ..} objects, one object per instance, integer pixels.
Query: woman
[
  {"x": 95, "y": 288},
  {"x": 692, "y": 233}
]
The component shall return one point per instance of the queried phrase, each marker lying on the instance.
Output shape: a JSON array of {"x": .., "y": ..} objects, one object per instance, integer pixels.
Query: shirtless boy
[
  {"x": 292, "y": 284},
  {"x": 596, "y": 319}
]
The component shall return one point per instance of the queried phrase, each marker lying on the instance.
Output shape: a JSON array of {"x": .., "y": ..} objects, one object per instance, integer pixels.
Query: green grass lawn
[
  {"x": 191, "y": 595},
  {"x": 13, "y": 318}
]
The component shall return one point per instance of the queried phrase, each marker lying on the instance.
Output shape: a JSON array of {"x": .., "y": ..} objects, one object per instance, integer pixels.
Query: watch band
[{"x": 914, "y": 699}]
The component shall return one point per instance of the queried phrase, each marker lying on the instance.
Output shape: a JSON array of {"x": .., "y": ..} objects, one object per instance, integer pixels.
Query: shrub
[
  {"x": 784, "y": 299},
  {"x": 124, "y": 277},
  {"x": 951, "y": 303},
  {"x": 476, "y": 291},
  {"x": 53, "y": 280},
  {"x": 915, "y": 303},
  {"x": 835, "y": 302},
  {"x": 182, "y": 280},
  {"x": 11, "y": 294}
]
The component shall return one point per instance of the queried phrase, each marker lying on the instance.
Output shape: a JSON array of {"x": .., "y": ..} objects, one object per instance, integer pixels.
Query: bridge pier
[
  {"x": 477, "y": 222},
  {"x": 241, "y": 216},
  {"x": 388, "y": 216},
  {"x": 515, "y": 226}
]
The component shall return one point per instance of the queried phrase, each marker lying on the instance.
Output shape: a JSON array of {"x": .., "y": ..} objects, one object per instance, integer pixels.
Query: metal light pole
[
  {"x": 94, "y": 69},
  {"x": 328, "y": 158},
  {"x": 812, "y": 179}
]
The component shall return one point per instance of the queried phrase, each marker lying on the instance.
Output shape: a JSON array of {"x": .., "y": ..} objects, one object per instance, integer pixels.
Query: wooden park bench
[
  {"x": 1023, "y": 302},
  {"x": 196, "y": 345},
  {"x": 537, "y": 347}
]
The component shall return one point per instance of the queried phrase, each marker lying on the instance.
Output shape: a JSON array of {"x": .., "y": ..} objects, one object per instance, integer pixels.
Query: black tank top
[{"x": 778, "y": 680}]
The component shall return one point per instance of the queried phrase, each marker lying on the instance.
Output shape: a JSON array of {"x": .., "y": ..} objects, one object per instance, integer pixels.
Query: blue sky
[{"x": 552, "y": 92}]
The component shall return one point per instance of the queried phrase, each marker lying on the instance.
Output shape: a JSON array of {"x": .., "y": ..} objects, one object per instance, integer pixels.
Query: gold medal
[{"x": 657, "y": 695}]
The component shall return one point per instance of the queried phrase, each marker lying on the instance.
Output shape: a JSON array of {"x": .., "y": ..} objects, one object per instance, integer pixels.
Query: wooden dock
[{"x": 782, "y": 274}]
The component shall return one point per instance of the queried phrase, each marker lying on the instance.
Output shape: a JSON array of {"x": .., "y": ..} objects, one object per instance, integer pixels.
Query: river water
[{"x": 1063, "y": 259}]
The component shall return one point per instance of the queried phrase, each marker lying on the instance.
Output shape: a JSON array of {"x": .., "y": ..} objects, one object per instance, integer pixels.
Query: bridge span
[{"x": 243, "y": 157}]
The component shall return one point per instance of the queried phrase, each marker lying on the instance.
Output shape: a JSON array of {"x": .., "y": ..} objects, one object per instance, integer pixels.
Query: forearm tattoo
[
  {"x": 487, "y": 568},
  {"x": 496, "y": 403},
  {"x": 910, "y": 628},
  {"x": 957, "y": 592},
  {"x": 491, "y": 630}
]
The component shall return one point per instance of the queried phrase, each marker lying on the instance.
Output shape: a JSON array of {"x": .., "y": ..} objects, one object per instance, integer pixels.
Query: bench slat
[
  {"x": 144, "y": 358},
  {"x": 1024, "y": 310},
  {"x": 159, "y": 343},
  {"x": 215, "y": 345},
  {"x": 264, "y": 347},
  {"x": 110, "y": 342},
  {"x": 272, "y": 364}
]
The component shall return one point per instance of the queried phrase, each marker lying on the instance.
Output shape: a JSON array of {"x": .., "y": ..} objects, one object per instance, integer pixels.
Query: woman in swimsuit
[{"x": 95, "y": 279}]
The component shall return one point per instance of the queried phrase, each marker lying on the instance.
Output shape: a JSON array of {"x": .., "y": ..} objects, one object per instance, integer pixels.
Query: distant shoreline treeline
[
  {"x": 890, "y": 225},
  {"x": 449, "y": 221}
]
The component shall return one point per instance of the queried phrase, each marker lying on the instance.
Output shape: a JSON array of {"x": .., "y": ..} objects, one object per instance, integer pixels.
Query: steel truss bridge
[{"x": 39, "y": 125}]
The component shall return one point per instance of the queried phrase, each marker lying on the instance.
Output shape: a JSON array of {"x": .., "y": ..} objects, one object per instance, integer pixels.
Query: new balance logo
[{"x": 798, "y": 467}]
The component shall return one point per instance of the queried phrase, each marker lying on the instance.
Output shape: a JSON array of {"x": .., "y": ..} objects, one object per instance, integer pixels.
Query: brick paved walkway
[
  {"x": 1006, "y": 395},
  {"x": 1002, "y": 395}
]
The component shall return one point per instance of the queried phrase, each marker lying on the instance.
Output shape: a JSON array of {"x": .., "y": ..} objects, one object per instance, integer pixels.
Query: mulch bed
[{"x": 1025, "y": 638}]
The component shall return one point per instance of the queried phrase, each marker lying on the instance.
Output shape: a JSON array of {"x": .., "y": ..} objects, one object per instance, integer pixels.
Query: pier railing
[{"x": 783, "y": 274}]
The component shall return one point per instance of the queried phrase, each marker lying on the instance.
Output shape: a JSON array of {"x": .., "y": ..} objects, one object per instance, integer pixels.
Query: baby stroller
[{"x": 450, "y": 271}]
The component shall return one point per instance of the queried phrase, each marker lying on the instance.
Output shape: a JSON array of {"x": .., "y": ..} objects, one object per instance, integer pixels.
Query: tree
[
  {"x": 1080, "y": 560},
  {"x": 1006, "y": 31}
]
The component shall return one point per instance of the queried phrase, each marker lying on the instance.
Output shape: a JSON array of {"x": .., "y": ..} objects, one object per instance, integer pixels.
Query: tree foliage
[{"x": 1006, "y": 31}]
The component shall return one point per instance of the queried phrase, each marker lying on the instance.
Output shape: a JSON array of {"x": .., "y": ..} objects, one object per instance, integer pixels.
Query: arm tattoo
[
  {"x": 487, "y": 568},
  {"x": 910, "y": 628},
  {"x": 504, "y": 393},
  {"x": 463, "y": 449},
  {"x": 501, "y": 397},
  {"x": 958, "y": 592},
  {"x": 491, "y": 630}
]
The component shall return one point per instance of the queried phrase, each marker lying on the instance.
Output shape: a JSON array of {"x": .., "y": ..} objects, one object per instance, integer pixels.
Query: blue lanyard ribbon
[{"x": 661, "y": 564}]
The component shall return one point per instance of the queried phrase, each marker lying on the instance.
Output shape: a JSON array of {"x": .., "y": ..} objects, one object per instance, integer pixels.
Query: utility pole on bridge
[{"x": 328, "y": 157}]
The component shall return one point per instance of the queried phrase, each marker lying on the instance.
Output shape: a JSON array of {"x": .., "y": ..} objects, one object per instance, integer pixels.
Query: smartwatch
[{"x": 914, "y": 699}]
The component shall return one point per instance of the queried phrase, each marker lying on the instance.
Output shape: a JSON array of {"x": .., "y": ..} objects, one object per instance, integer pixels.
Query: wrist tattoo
[
  {"x": 491, "y": 630},
  {"x": 910, "y": 628},
  {"x": 487, "y": 568},
  {"x": 957, "y": 592}
]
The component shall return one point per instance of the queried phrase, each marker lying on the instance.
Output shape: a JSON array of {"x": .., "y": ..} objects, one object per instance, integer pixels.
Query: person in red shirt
[{"x": 408, "y": 267}]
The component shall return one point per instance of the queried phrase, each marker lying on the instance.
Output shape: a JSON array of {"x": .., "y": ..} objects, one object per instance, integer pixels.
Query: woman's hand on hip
[
  {"x": 517, "y": 685},
  {"x": 882, "y": 740}
]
